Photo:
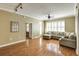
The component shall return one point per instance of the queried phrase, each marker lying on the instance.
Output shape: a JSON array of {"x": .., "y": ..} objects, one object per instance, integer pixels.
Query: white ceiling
[{"x": 41, "y": 10}]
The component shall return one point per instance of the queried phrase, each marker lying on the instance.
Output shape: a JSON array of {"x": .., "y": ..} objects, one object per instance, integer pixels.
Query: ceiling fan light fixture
[{"x": 49, "y": 16}]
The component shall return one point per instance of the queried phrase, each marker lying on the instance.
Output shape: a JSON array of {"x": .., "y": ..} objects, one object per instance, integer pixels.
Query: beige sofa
[
  {"x": 65, "y": 38},
  {"x": 69, "y": 41},
  {"x": 53, "y": 35}
]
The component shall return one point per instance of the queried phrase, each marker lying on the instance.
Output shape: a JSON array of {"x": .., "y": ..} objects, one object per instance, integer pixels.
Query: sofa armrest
[{"x": 68, "y": 42}]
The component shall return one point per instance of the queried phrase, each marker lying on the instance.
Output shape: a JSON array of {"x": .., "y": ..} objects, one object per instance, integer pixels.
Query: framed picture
[{"x": 14, "y": 26}]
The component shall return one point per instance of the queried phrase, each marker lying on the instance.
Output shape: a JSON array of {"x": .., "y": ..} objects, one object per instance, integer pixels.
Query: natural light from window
[{"x": 57, "y": 26}]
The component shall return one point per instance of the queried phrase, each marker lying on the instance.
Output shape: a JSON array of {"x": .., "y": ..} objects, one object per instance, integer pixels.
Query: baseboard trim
[
  {"x": 11, "y": 43},
  {"x": 36, "y": 37},
  {"x": 77, "y": 52}
]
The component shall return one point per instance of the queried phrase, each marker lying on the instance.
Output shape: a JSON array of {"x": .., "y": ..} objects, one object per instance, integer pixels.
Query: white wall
[{"x": 77, "y": 28}]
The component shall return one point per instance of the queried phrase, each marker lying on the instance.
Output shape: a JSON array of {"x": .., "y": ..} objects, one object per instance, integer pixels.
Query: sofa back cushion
[
  {"x": 72, "y": 36},
  {"x": 67, "y": 34},
  {"x": 61, "y": 34}
]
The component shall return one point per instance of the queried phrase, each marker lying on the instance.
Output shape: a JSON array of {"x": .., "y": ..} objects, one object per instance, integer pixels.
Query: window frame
[{"x": 55, "y": 26}]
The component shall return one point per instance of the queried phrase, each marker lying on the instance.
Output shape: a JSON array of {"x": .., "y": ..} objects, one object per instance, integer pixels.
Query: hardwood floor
[{"x": 37, "y": 47}]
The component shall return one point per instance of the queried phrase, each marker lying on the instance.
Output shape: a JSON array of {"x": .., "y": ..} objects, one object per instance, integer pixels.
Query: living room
[{"x": 52, "y": 29}]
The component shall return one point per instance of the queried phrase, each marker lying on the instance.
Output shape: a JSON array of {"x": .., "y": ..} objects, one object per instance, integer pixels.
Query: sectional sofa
[{"x": 67, "y": 39}]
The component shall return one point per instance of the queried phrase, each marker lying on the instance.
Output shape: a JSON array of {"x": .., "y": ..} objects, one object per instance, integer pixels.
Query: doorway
[{"x": 28, "y": 30}]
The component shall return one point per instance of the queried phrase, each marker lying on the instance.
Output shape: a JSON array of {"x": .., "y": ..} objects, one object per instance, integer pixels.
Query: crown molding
[{"x": 11, "y": 11}]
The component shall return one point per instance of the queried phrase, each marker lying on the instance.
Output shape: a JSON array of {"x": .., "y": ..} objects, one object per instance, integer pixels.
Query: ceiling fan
[{"x": 49, "y": 17}]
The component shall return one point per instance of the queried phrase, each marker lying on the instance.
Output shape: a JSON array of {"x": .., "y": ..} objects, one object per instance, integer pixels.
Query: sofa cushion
[
  {"x": 72, "y": 36},
  {"x": 67, "y": 34},
  {"x": 61, "y": 33}
]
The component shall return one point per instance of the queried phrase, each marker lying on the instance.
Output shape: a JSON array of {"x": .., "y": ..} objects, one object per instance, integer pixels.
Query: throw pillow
[
  {"x": 67, "y": 34},
  {"x": 72, "y": 36}
]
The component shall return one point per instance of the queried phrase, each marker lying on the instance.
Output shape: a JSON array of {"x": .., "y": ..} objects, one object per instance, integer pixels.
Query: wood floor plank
[{"x": 37, "y": 47}]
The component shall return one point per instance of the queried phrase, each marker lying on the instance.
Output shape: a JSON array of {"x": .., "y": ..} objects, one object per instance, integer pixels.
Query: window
[
  {"x": 14, "y": 26},
  {"x": 55, "y": 26},
  {"x": 48, "y": 25}
]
